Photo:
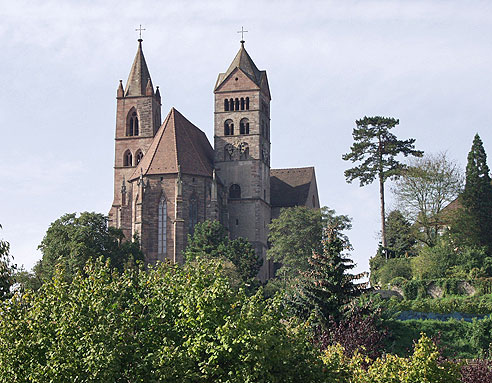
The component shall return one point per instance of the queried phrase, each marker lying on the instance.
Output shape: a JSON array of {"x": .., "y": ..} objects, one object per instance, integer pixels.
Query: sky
[{"x": 427, "y": 63}]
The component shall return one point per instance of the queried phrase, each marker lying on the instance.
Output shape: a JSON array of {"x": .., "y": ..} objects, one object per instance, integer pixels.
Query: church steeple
[{"x": 139, "y": 75}]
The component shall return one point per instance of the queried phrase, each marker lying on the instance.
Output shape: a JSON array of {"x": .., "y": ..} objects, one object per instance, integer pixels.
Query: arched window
[
  {"x": 235, "y": 191},
  {"x": 228, "y": 152},
  {"x": 247, "y": 103},
  {"x": 231, "y": 104},
  {"x": 236, "y": 106},
  {"x": 127, "y": 158},
  {"x": 162, "y": 227},
  {"x": 226, "y": 105},
  {"x": 132, "y": 125},
  {"x": 242, "y": 103},
  {"x": 244, "y": 151},
  {"x": 228, "y": 128},
  {"x": 244, "y": 126},
  {"x": 138, "y": 157},
  {"x": 193, "y": 213}
]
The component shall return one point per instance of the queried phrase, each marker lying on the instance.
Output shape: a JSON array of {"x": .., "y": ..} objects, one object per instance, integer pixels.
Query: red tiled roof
[{"x": 177, "y": 142}]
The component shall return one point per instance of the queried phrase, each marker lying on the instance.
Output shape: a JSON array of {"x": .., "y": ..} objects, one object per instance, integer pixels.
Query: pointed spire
[
  {"x": 244, "y": 62},
  {"x": 157, "y": 93},
  {"x": 120, "y": 92},
  {"x": 139, "y": 75},
  {"x": 149, "y": 90}
]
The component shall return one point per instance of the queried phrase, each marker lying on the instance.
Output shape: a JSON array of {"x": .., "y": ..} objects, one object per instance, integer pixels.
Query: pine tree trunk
[{"x": 383, "y": 220}]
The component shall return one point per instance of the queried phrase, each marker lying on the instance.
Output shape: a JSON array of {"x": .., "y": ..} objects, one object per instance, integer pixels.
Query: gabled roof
[
  {"x": 290, "y": 187},
  {"x": 139, "y": 75},
  {"x": 177, "y": 142},
  {"x": 243, "y": 62}
]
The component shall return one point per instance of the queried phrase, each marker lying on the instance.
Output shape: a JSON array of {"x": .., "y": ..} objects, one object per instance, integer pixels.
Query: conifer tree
[
  {"x": 474, "y": 223},
  {"x": 377, "y": 148},
  {"x": 324, "y": 289}
]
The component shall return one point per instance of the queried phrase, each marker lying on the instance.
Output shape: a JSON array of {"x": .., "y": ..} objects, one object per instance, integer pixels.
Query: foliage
[
  {"x": 293, "y": 236},
  {"x": 384, "y": 271},
  {"x": 359, "y": 331},
  {"x": 476, "y": 371},
  {"x": 473, "y": 223},
  {"x": 400, "y": 238},
  {"x": 454, "y": 336},
  {"x": 377, "y": 148},
  {"x": 297, "y": 233},
  {"x": 478, "y": 305},
  {"x": 7, "y": 270},
  {"x": 71, "y": 241},
  {"x": 433, "y": 262},
  {"x": 481, "y": 336},
  {"x": 444, "y": 260},
  {"x": 164, "y": 324},
  {"x": 321, "y": 292},
  {"x": 427, "y": 186},
  {"x": 211, "y": 239},
  {"x": 424, "y": 365}
]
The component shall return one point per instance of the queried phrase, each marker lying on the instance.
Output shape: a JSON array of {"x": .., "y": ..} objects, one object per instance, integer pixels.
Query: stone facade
[{"x": 173, "y": 178}]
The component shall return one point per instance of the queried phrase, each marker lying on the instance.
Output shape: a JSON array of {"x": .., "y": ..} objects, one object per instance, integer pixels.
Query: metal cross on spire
[
  {"x": 139, "y": 30},
  {"x": 242, "y": 32}
]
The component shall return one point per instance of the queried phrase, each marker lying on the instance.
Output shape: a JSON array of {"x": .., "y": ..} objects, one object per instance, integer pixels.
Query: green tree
[
  {"x": 211, "y": 239},
  {"x": 377, "y": 148},
  {"x": 167, "y": 323},
  {"x": 7, "y": 270},
  {"x": 72, "y": 240},
  {"x": 326, "y": 287},
  {"x": 400, "y": 237},
  {"x": 297, "y": 233},
  {"x": 427, "y": 186},
  {"x": 473, "y": 223}
]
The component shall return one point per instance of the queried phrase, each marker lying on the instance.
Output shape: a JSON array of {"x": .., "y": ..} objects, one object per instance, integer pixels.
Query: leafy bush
[
  {"x": 165, "y": 324},
  {"x": 476, "y": 371}
]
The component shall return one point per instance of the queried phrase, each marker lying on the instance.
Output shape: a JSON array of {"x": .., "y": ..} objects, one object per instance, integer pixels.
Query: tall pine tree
[
  {"x": 474, "y": 223},
  {"x": 376, "y": 150}
]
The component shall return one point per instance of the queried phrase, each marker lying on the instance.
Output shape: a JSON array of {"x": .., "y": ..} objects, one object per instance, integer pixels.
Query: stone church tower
[
  {"x": 242, "y": 147},
  {"x": 167, "y": 177}
]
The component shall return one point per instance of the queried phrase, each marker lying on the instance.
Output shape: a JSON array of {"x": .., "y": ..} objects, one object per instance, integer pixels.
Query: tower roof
[
  {"x": 244, "y": 62},
  {"x": 177, "y": 143},
  {"x": 139, "y": 75}
]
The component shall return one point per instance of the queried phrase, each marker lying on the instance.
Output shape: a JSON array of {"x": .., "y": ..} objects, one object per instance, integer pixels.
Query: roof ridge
[{"x": 192, "y": 141}]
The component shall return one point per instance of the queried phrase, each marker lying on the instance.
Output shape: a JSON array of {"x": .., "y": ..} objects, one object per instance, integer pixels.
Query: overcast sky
[{"x": 329, "y": 63}]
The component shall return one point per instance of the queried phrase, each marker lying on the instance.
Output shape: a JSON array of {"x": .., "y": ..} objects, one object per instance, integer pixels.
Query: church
[{"x": 168, "y": 177}]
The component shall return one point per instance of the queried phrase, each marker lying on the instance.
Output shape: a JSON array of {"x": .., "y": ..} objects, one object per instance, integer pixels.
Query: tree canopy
[
  {"x": 297, "y": 233},
  {"x": 7, "y": 270},
  {"x": 211, "y": 239},
  {"x": 424, "y": 189},
  {"x": 376, "y": 149},
  {"x": 72, "y": 240},
  {"x": 168, "y": 323},
  {"x": 474, "y": 221}
]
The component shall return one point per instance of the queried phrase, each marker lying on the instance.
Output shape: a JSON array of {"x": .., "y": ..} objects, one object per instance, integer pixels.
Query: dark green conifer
[{"x": 475, "y": 221}]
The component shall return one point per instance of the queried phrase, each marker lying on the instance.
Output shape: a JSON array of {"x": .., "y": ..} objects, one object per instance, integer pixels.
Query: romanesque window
[
  {"x": 231, "y": 104},
  {"x": 193, "y": 215},
  {"x": 236, "y": 105},
  {"x": 242, "y": 103},
  {"x": 162, "y": 227},
  {"x": 243, "y": 151},
  {"x": 226, "y": 105},
  {"x": 235, "y": 191},
  {"x": 138, "y": 157},
  {"x": 127, "y": 158},
  {"x": 228, "y": 128},
  {"x": 244, "y": 126},
  {"x": 228, "y": 152},
  {"x": 132, "y": 125},
  {"x": 247, "y": 103}
]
